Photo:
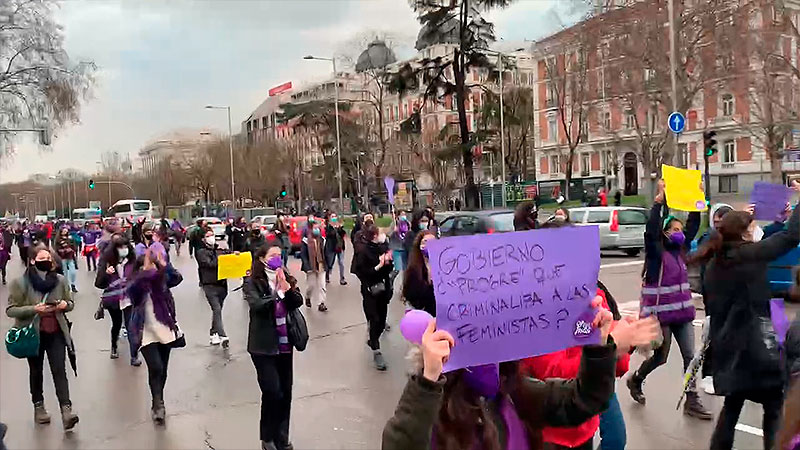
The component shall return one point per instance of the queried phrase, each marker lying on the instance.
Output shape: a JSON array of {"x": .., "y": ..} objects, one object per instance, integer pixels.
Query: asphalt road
[{"x": 340, "y": 401}]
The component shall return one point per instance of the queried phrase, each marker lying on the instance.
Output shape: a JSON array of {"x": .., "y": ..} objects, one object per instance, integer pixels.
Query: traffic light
[
  {"x": 283, "y": 190},
  {"x": 91, "y": 184},
  {"x": 709, "y": 143}
]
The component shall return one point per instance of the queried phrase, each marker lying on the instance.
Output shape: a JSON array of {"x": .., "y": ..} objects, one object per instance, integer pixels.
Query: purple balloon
[{"x": 414, "y": 324}]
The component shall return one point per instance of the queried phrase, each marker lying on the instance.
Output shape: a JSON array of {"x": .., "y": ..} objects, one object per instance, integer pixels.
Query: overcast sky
[{"x": 161, "y": 62}]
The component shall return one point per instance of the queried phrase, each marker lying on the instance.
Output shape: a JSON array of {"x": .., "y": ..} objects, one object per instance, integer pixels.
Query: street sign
[
  {"x": 280, "y": 89},
  {"x": 676, "y": 122}
]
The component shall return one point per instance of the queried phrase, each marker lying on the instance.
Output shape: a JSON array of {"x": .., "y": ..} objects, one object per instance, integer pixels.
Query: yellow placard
[
  {"x": 234, "y": 266},
  {"x": 683, "y": 189}
]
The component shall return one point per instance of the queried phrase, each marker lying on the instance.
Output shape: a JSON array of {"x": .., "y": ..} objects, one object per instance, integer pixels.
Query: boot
[
  {"x": 635, "y": 386},
  {"x": 68, "y": 418},
  {"x": 40, "y": 414},
  {"x": 322, "y": 307},
  {"x": 377, "y": 358},
  {"x": 114, "y": 353},
  {"x": 268, "y": 445},
  {"x": 694, "y": 407},
  {"x": 158, "y": 412}
]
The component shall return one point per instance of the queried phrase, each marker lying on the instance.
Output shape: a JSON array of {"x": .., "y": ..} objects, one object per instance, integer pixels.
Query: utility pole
[
  {"x": 673, "y": 68},
  {"x": 502, "y": 135}
]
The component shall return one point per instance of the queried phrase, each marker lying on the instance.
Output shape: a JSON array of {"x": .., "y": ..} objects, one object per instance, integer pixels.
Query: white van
[{"x": 131, "y": 209}]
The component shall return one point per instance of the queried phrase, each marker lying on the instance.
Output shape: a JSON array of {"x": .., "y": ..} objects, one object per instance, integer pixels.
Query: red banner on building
[{"x": 280, "y": 89}]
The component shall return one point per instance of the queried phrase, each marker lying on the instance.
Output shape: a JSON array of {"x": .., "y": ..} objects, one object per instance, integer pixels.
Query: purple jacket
[
  {"x": 670, "y": 300},
  {"x": 155, "y": 284}
]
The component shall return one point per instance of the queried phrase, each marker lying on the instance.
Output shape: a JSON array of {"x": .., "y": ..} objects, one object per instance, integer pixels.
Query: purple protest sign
[
  {"x": 770, "y": 200},
  {"x": 389, "y": 183},
  {"x": 508, "y": 296}
]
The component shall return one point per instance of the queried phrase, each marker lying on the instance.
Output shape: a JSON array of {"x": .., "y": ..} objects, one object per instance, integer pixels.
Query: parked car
[
  {"x": 621, "y": 227},
  {"x": 464, "y": 223},
  {"x": 216, "y": 224}
]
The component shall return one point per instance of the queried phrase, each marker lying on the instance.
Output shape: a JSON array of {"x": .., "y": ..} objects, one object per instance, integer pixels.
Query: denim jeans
[
  {"x": 215, "y": 294},
  {"x": 70, "y": 271},
  {"x": 684, "y": 335},
  {"x": 612, "y": 426},
  {"x": 399, "y": 258},
  {"x": 331, "y": 257}
]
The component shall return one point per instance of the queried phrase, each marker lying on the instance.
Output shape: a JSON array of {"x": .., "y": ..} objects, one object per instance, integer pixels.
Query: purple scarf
[{"x": 154, "y": 283}]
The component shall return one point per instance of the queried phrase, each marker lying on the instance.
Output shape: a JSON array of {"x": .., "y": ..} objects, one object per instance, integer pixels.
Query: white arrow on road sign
[{"x": 676, "y": 122}]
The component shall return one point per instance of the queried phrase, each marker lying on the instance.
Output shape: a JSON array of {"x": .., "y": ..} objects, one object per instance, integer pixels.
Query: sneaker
[
  {"x": 327, "y": 281},
  {"x": 708, "y": 385},
  {"x": 68, "y": 418},
  {"x": 377, "y": 359},
  {"x": 387, "y": 327},
  {"x": 308, "y": 302},
  {"x": 322, "y": 307},
  {"x": 114, "y": 353},
  {"x": 268, "y": 445},
  {"x": 40, "y": 415},
  {"x": 224, "y": 341},
  {"x": 634, "y": 384},
  {"x": 343, "y": 282},
  {"x": 158, "y": 413},
  {"x": 694, "y": 407},
  {"x": 4, "y": 281},
  {"x": 74, "y": 289},
  {"x": 136, "y": 362},
  {"x": 214, "y": 339}
]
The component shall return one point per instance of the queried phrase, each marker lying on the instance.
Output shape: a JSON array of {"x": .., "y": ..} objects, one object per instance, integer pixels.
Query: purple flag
[
  {"x": 770, "y": 200},
  {"x": 389, "y": 182},
  {"x": 780, "y": 322},
  {"x": 508, "y": 296}
]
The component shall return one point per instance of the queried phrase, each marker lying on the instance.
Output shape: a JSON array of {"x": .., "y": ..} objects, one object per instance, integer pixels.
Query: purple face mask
[
  {"x": 677, "y": 238},
  {"x": 403, "y": 226},
  {"x": 274, "y": 263},
  {"x": 483, "y": 380}
]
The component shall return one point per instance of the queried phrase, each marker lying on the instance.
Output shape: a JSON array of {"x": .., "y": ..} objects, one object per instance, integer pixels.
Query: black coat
[
  {"x": 365, "y": 262},
  {"x": 238, "y": 239},
  {"x": 255, "y": 242},
  {"x": 262, "y": 336},
  {"x": 334, "y": 239},
  {"x": 207, "y": 265},
  {"x": 418, "y": 292},
  {"x": 738, "y": 294}
]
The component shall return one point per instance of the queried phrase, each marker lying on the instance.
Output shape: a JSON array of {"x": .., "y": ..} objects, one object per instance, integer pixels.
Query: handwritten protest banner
[
  {"x": 508, "y": 296},
  {"x": 234, "y": 266},
  {"x": 683, "y": 189},
  {"x": 769, "y": 200}
]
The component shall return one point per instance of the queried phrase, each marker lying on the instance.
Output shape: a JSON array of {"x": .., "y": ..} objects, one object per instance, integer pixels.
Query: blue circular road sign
[{"x": 676, "y": 122}]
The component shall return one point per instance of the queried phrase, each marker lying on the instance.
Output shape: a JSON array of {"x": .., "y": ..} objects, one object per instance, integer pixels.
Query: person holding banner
[
  {"x": 747, "y": 361},
  {"x": 373, "y": 266},
  {"x": 417, "y": 284},
  {"x": 666, "y": 294},
  {"x": 493, "y": 406},
  {"x": 215, "y": 290},
  {"x": 397, "y": 237}
]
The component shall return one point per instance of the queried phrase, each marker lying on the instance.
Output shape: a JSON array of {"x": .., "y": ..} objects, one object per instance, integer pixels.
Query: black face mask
[
  {"x": 148, "y": 237},
  {"x": 43, "y": 266}
]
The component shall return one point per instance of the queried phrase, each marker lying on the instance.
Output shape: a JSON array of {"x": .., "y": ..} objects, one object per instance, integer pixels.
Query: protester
[
  {"x": 618, "y": 198},
  {"x": 420, "y": 220},
  {"x": 271, "y": 294},
  {"x": 154, "y": 326},
  {"x": 334, "y": 247},
  {"x": 20, "y": 236},
  {"x": 75, "y": 234},
  {"x": 215, "y": 290},
  {"x": 90, "y": 236},
  {"x": 471, "y": 409},
  {"x": 775, "y": 226},
  {"x": 417, "y": 283},
  {"x": 179, "y": 234},
  {"x": 41, "y": 292},
  {"x": 65, "y": 248},
  {"x": 373, "y": 267},
  {"x": 150, "y": 241},
  {"x": 196, "y": 236},
  {"x": 281, "y": 230},
  {"x": 746, "y": 366},
  {"x": 666, "y": 294},
  {"x": 397, "y": 238},
  {"x": 136, "y": 229},
  {"x": 255, "y": 239},
  {"x": 6, "y": 242},
  {"x": 525, "y": 216},
  {"x": 313, "y": 264},
  {"x": 237, "y": 240},
  {"x": 115, "y": 269}
]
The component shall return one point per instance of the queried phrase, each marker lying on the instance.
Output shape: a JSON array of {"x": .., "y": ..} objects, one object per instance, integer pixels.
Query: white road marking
[
  {"x": 749, "y": 430},
  {"x": 622, "y": 264}
]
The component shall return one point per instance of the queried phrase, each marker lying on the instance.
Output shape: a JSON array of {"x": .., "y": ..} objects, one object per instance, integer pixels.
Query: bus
[
  {"x": 86, "y": 213},
  {"x": 131, "y": 209}
]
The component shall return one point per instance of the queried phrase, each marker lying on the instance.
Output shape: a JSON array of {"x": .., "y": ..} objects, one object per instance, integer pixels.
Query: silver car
[{"x": 621, "y": 227}]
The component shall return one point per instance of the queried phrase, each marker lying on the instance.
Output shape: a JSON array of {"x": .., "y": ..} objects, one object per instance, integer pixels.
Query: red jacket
[
  {"x": 565, "y": 364},
  {"x": 603, "y": 198}
]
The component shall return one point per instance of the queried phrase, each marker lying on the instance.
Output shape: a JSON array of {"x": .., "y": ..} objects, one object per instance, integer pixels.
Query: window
[
  {"x": 446, "y": 226},
  {"x": 649, "y": 76},
  {"x": 652, "y": 120},
  {"x": 630, "y": 119},
  {"x": 727, "y": 105},
  {"x": 555, "y": 163},
  {"x": 606, "y": 116},
  {"x": 729, "y": 152},
  {"x": 503, "y": 222},
  {"x": 466, "y": 225},
  {"x": 728, "y": 184},
  {"x": 551, "y": 95},
  {"x": 263, "y": 122},
  {"x": 585, "y": 164},
  {"x": 631, "y": 217},
  {"x": 141, "y": 206},
  {"x": 551, "y": 128},
  {"x": 584, "y": 128},
  {"x": 598, "y": 217}
]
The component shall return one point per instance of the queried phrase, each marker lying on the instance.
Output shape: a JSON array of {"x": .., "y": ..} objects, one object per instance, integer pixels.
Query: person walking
[
  {"x": 179, "y": 233},
  {"x": 666, "y": 294},
  {"x": 747, "y": 362},
  {"x": 417, "y": 283},
  {"x": 154, "y": 324},
  {"x": 114, "y": 270},
  {"x": 215, "y": 290},
  {"x": 334, "y": 247},
  {"x": 90, "y": 236},
  {"x": 397, "y": 238},
  {"x": 65, "y": 248},
  {"x": 43, "y": 297},
  {"x": 420, "y": 221},
  {"x": 271, "y": 295},
  {"x": 281, "y": 231},
  {"x": 150, "y": 241},
  {"x": 255, "y": 239},
  {"x": 602, "y": 197},
  {"x": 313, "y": 264},
  {"x": 373, "y": 267},
  {"x": 6, "y": 242},
  {"x": 196, "y": 236},
  {"x": 238, "y": 237}
]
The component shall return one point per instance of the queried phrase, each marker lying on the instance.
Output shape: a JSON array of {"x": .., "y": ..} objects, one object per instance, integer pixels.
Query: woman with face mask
[
  {"x": 373, "y": 266},
  {"x": 312, "y": 255},
  {"x": 420, "y": 221},
  {"x": 400, "y": 228},
  {"x": 66, "y": 250},
  {"x": 271, "y": 293},
  {"x": 43, "y": 297},
  {"x": 666, "y": 294},
  {"x": 417, "y": 284},
  {"x": 255, "y": 239},
  {"x": 736, "y": 284},
  {"x": 281, "y": 231},
  {"x": 113, "y": 272},
  {"x": 215, "y": 290}
]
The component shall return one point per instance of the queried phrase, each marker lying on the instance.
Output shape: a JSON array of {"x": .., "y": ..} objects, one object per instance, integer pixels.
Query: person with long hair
[
  {"x": 281, "y": 230},
  {"x": 420, "y": 221},
  {"x": 154, "y": 325},
  {"x": 666, "y": 294},
  {"x": 417, "y": 283},
  {"x": 525, "y": 216},
  {"x": 65, "y": 248},
  {"x": 179, "y": 233},
  {"x": 271, "y": 294},
  {"x": 114, "y": 270},
  {"x": 40, "y": 293},
  {"x": 373, "y": 267},
  {"x": 493, "y": 406},
  {"x": 312, "y": 254},
  {"x": 90, "y": 235},
  {"x": 746, "y": 365},
  {"x": 400, "y": 227},
  {"x": 6, "y": 242}
]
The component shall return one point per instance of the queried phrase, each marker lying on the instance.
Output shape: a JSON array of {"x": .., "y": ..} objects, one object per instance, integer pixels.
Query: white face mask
[
  {"x": 381, "y": 238},
  {"x": 211, "y": 240},
  {"x": 122, "y": 252}
]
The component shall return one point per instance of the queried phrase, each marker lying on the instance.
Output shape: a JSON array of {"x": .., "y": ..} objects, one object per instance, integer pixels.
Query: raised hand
[
  {"x": 436, "y": 345},
  {"x": 630, "y": 332}
]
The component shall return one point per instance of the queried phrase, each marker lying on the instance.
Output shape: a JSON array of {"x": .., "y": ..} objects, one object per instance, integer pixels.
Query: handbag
[
  {"x": 23, "y": 342},
  {"x": 101, "y": 312},
  {"x": 180, "y": 338},
  {"x": 297, "y": 329},
  {"x": 378, "y": 289}
]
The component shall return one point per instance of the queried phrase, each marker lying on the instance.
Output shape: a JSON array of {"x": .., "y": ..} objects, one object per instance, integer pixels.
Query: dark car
[{"x": 465, "y": 223}]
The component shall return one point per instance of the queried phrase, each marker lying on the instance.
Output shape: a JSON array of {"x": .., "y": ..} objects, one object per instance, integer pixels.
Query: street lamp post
[
  {"x": 336, "y": 110},
  {"x": 230, "y": 148}
]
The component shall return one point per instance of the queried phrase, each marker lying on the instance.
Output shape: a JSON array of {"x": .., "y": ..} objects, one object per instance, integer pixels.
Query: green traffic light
[{"x": 91, "y": 184}]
